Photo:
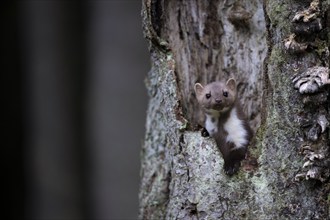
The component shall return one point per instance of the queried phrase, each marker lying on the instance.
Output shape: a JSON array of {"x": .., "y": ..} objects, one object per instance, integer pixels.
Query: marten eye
[
  {"x": 225, "y": 94},
  {"x": 208, "y": 95}
]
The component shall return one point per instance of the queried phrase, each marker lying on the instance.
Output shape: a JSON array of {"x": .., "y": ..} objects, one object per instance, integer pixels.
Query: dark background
[{"x": 75, "y": 105}]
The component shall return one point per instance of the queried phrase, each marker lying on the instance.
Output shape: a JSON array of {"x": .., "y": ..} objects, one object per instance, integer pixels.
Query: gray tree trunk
[{"x": 286, "y": 174}]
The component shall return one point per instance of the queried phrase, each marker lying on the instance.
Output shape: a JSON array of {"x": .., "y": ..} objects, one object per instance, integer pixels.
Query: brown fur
[
  {"x": 216, "y": 89},
  {"x": 218, "y": 104}
]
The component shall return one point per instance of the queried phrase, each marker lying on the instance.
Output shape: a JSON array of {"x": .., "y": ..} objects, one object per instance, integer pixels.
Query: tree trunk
[{"x": 287, "y": 172}]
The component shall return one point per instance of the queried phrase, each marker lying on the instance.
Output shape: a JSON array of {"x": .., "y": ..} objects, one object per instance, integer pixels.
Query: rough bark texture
[
  {"x": 208, "y": 47},
  {"x": 202, "y": 41}
]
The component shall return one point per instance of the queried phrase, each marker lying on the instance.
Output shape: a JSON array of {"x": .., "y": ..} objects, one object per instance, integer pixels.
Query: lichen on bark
[
  {"x": 284, "y": 133},
  {"x": 181, "y": 171},
  {"x": 162, "y": 131}
]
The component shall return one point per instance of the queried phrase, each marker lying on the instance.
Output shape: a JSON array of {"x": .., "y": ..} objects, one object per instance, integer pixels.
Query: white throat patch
[{"x": 235, "y": 129}]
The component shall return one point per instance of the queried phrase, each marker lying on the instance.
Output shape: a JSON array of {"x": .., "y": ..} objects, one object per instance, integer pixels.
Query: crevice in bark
[
  {"x": 157, "y": 15},
  {"x": 267, "y": 89},
  {"x": 212, "y": 29},
  {"x": 152, "y": 26},
  {"x": 209, "y": 44},
  {"x": 180, "y": 27}
]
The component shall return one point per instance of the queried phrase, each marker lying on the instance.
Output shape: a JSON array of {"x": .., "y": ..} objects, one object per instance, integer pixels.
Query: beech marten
[{"x": 225, "y": 121}]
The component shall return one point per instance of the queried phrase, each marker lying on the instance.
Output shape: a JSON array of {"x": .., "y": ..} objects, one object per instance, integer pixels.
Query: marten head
[{"x": 216, "y": 96}]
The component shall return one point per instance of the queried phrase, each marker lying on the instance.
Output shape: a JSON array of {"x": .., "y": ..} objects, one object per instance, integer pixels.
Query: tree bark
[{"x": 286, "y": 174}]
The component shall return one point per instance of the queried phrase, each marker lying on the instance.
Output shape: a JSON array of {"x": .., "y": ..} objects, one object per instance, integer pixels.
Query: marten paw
[
  {"x": 205, "y": 133},
  {"x": 231, "y": 169}
]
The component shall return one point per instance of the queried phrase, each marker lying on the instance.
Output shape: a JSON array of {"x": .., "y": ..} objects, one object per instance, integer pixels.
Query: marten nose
[{"x": 218, "y": 101}]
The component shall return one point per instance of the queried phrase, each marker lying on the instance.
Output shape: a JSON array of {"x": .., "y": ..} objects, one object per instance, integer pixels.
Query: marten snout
[{"x": 218, "y": 101}]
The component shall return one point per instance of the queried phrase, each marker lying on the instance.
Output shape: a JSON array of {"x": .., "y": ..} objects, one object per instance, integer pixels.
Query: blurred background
[{"x": 75, "y": 103}]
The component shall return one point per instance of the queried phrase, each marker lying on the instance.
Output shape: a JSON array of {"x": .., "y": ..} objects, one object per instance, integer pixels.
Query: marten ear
[
  {"x": 231, "y": 84},
  {"x": 198, "y": 89}
]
